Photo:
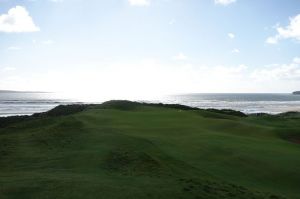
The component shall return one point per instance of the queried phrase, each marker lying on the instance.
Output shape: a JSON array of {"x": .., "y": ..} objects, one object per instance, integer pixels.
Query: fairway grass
[{"x": 122, "y": 149}]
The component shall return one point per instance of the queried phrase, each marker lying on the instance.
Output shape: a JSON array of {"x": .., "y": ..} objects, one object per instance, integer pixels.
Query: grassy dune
[{"x": 122, "y": 149}]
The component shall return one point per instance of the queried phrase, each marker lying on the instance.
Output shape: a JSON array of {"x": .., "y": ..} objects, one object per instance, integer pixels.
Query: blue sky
[{"x": 141, "y": 48}]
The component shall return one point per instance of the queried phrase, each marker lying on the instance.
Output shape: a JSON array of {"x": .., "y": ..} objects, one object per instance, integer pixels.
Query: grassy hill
[{"x": 123, "y": 149}]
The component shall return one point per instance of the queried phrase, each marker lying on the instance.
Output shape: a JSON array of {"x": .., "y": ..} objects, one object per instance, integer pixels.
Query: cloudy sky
[{"x": 123, "y": 48}]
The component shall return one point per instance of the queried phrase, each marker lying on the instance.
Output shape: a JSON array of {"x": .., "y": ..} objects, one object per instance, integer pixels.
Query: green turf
[{"x": 132, "y": 150}]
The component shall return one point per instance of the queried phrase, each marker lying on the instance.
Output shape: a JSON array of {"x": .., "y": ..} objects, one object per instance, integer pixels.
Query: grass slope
[{"x": 130, "y": 150}]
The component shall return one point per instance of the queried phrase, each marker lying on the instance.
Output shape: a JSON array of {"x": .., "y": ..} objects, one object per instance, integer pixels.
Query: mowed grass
[{"x": 130, "y": 150}]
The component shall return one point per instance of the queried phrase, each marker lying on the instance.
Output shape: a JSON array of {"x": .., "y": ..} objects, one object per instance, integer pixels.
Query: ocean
[
  {"x": 272, "y": 103},
  {"x": 27, "y": 103}
]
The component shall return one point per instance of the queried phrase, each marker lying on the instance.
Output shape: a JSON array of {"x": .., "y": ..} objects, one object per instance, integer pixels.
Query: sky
[{"x": 146, "y": 48}]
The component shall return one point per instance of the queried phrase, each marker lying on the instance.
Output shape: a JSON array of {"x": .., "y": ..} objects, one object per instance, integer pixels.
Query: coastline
[
  {"x": 12, "y": 104},
  {"x": 69, "y": 108}
]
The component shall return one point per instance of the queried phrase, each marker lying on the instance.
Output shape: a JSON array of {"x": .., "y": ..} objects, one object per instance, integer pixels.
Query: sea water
[
  {"x": 247, "y": 103},
  {"x": 27, "y": 103}
]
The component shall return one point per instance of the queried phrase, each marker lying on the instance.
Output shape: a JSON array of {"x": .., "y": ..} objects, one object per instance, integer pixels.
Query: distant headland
[{"x": 296, "y": 93}]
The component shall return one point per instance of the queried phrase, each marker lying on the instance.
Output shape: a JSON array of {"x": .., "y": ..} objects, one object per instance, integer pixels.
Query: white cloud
[
  {"x": 156, "y": 78},
  {"x": 55, "y": 1},
  {"x": 44, "y": 42},
  {"x": 231, "y": 35},
  {"x": 224, "y": 2},
  {"x": 226, "y": 72},
  {"x": 279, "y": 72},
  {"x": 139, "y": 2},
  {"x": 235, "y": 50},
  {"x": 272, "y": 40},
  {"x": 48, "y": 42},
  {"x": 6, "y": 69},
  {"x": 14, "y": 48},
  {"x": 17, "y": 20},
  {"x": 180, "y": 57},
  {"x": 292, "y": 31},
  {"x": 296, "y": 60}
]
